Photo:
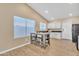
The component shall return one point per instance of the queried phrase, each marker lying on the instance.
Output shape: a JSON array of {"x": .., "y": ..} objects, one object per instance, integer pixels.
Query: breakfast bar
[{"x": 41, "y": 39}]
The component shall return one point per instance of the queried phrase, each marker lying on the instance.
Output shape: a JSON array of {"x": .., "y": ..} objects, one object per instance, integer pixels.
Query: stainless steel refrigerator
[{"x": 75, "y": 35}]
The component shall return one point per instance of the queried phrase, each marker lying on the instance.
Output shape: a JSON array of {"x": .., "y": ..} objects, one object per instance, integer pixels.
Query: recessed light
[
  {"x": 46, "y": 11},
  {"x": 70, "y": 14}
]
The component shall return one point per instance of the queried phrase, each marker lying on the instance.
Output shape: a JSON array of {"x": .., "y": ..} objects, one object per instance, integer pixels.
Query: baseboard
[
  {"x": 61, "y": 39},
  {"x": 67, "y": 39},
  {"x": 14, "y": 48}
]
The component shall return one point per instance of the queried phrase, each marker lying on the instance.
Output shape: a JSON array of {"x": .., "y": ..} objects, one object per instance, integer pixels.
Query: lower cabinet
[
  {"x": 51, "y": 35},
  {"x": 55, "y": 35}
]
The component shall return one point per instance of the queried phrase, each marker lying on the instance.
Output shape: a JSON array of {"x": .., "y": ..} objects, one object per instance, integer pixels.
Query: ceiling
[{"x": 52, "y": 11}]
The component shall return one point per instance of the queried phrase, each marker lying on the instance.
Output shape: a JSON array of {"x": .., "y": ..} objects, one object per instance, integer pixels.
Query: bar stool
[
  {"x": 33, "y": 37},
  {"x": 47, "y": 41},
  {"x": 39, "y": 39}
]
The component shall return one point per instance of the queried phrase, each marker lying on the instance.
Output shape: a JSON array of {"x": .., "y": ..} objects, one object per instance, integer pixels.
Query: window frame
[
  {"x": 43, "y": 24},
  {"x": 15, "y": 37}
]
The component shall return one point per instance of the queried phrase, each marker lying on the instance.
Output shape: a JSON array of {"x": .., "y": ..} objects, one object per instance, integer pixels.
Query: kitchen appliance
[{"x": 75, "y": 34}]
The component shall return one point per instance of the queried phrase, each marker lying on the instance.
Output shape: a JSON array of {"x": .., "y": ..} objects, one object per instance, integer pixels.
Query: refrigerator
[{"x": 75, "y": 35}]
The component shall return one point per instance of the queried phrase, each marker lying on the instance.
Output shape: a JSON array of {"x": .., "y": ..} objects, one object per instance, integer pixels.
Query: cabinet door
[
  {"x": 54, "y": 25},
  {"x": 57, "y": 35},
  {"x": 51, "y": 25},
  {"x": 57, "y": 25},
  {"x": 51, "y": 35}
]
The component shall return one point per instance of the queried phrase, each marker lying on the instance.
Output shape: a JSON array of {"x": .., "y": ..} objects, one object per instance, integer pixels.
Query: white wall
[
  {"x": 7, "y": 11},
  {"x": 67, "y": 26},
  {"x": 67, "y": 29}
]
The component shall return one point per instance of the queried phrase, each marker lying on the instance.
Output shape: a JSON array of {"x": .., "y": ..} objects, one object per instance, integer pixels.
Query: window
[
  {"x": 23, "y": 27},
  {"x": 19, "y": 27},
  {"x": 42, "y": 26},
  {"x": 30, "y": 26}
]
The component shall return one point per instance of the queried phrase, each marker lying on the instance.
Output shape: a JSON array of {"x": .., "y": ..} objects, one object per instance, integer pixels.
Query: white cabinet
[
  {"x": 57, "y": 27},
  {"x": 55, "y": 35},
  {"x": 51, "y": 35},
  {"x": 54, "y": 25},
  {"x": 51, "y": 25},
  {"x": 58, "y": 35}
]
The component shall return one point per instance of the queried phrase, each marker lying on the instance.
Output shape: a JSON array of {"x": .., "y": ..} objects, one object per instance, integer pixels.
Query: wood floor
[{"x": 56, "y": 48}]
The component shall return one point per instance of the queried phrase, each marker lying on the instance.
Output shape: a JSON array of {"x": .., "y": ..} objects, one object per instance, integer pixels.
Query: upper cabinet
[{"x": 54, "y": 25}]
